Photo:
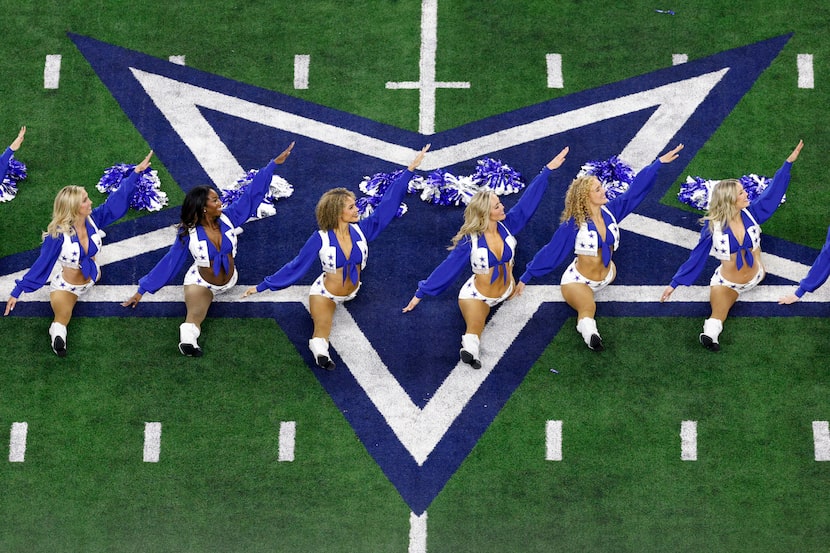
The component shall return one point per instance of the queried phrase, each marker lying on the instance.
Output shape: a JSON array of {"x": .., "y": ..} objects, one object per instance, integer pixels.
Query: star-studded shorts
[
  {"x": 718, "y": 280},
  {"x": 193, "y": 277},
  {"x": 572, "y": 276},
  {"x": 470, "y": 292}
]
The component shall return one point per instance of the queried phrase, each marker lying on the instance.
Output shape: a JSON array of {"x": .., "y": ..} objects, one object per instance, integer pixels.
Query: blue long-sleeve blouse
[
  {"x": 563, "y": 241},
  {"x": 115, "y": 207},
  {"x": 238, "y": 212},
  {"x": 371, "y": 227},
  {"x": 761, "y": 210},
  {"x": 818, "y": 273}
]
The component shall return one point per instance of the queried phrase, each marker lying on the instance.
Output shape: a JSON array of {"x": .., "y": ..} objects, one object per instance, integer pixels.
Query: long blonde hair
[
  {"x": 65, "y": 211},
  {"x": 476, "y": 216},
  {"x": 722, "y": 204},
  {"x": 577, "y": 204},
  {"x": 330, "y": 206}
]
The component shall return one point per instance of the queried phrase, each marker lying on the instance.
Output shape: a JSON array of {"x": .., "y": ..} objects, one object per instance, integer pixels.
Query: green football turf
[{"x": 621, "y": 485}]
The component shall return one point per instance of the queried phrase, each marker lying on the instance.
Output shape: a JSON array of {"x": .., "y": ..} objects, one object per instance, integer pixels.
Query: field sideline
[{"x": 653, "y": 445}]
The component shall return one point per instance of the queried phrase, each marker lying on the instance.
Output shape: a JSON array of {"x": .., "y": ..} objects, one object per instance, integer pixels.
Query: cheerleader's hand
[
  {"x": 794, "y": 156},
  {"x": 419, "y": 158},
  {"x": 250, "y": 292},
  {"x": 412, "y": 304},
  {"x": 520, "y": 288},
  {"x": 145, "y": 163},
  {"x": 666, "y": 294},
  {"x": 557, "y": 162},
  {"x": 10, "y": 305},
  {"x": 788, "y": 299},
  {"x": 671, "y": 155},
  {"x": 132, "y": 301},
  {"x": 19, "y": 140},
  {"x": 284, "y": 155}
]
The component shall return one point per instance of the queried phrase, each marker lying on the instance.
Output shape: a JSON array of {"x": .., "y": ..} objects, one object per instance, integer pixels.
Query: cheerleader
[
  {"x": 342, "y": 247},
  {"x": 207, "y": 233},
  {"x": 486, "y": 241},
  {"x": 589, "y": 228},
  {"x": 732, "y": 234},
  {"x": 73, "y": 239}
]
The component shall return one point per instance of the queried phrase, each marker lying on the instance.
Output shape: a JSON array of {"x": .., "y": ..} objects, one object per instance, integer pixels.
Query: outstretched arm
[
  {"x": 385, "y": 211},
  {"x": 245, "y": 205},
  {"x": 642, "y": 184},
  {"x": 520, "y": 214},
  {"x": 768, "y": 201}
]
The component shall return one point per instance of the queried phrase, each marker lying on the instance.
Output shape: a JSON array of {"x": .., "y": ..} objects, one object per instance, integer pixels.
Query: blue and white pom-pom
[
  {"x": 374, "y": 188},
  {"x": 697, "y": 191},
  {"x": 148, "y": 194},
  {"x": 614, "y": 174},
  {"x": 279, "y": 188},
  {"x": 443, "y": 188},
  {"x": 497, "y": 176},
  {"x": 14, "y": 174}
]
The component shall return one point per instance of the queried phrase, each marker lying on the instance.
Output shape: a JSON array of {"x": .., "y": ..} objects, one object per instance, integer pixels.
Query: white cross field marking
[
  {"x": 426, "y": 84},
  {"x": 417, "y": 533}
]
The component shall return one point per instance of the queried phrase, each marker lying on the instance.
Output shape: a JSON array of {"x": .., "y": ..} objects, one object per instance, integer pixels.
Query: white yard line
[
  {"x": 688, "y": 440},
  {"x": 152, "y": 442},
  {"x": 52, "y": 71},
  {"x": 288, "y": 434},
  {"x": 821, "y": 440},
  {"x": 553, "y": 441},
  {"x": 17, "y": 442}
]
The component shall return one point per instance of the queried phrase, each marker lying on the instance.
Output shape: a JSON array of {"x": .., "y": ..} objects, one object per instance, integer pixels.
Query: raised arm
[
  {"x": 117, "y": 204},
  {"x": 245, "y": 205},
  {"x": 6, "y": 157},
  {"x": 642, "y": 184},
  {"x": 15, "y": 145},
  {"x": 768, "y": 201},
  {"x": 385, "y": 211},
  {"x": 520, "y": 214}
]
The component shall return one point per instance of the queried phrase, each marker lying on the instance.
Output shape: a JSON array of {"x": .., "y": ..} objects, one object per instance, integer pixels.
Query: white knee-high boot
[
  {"x": 711, "y": 331},
  {"x": 469, "y": 350},
  {"x": 188, "y": 336},
  {"x": 588, "y": 328},
  {"x": 320, "y": 349},
  {"x": 57, "y": 338}
]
